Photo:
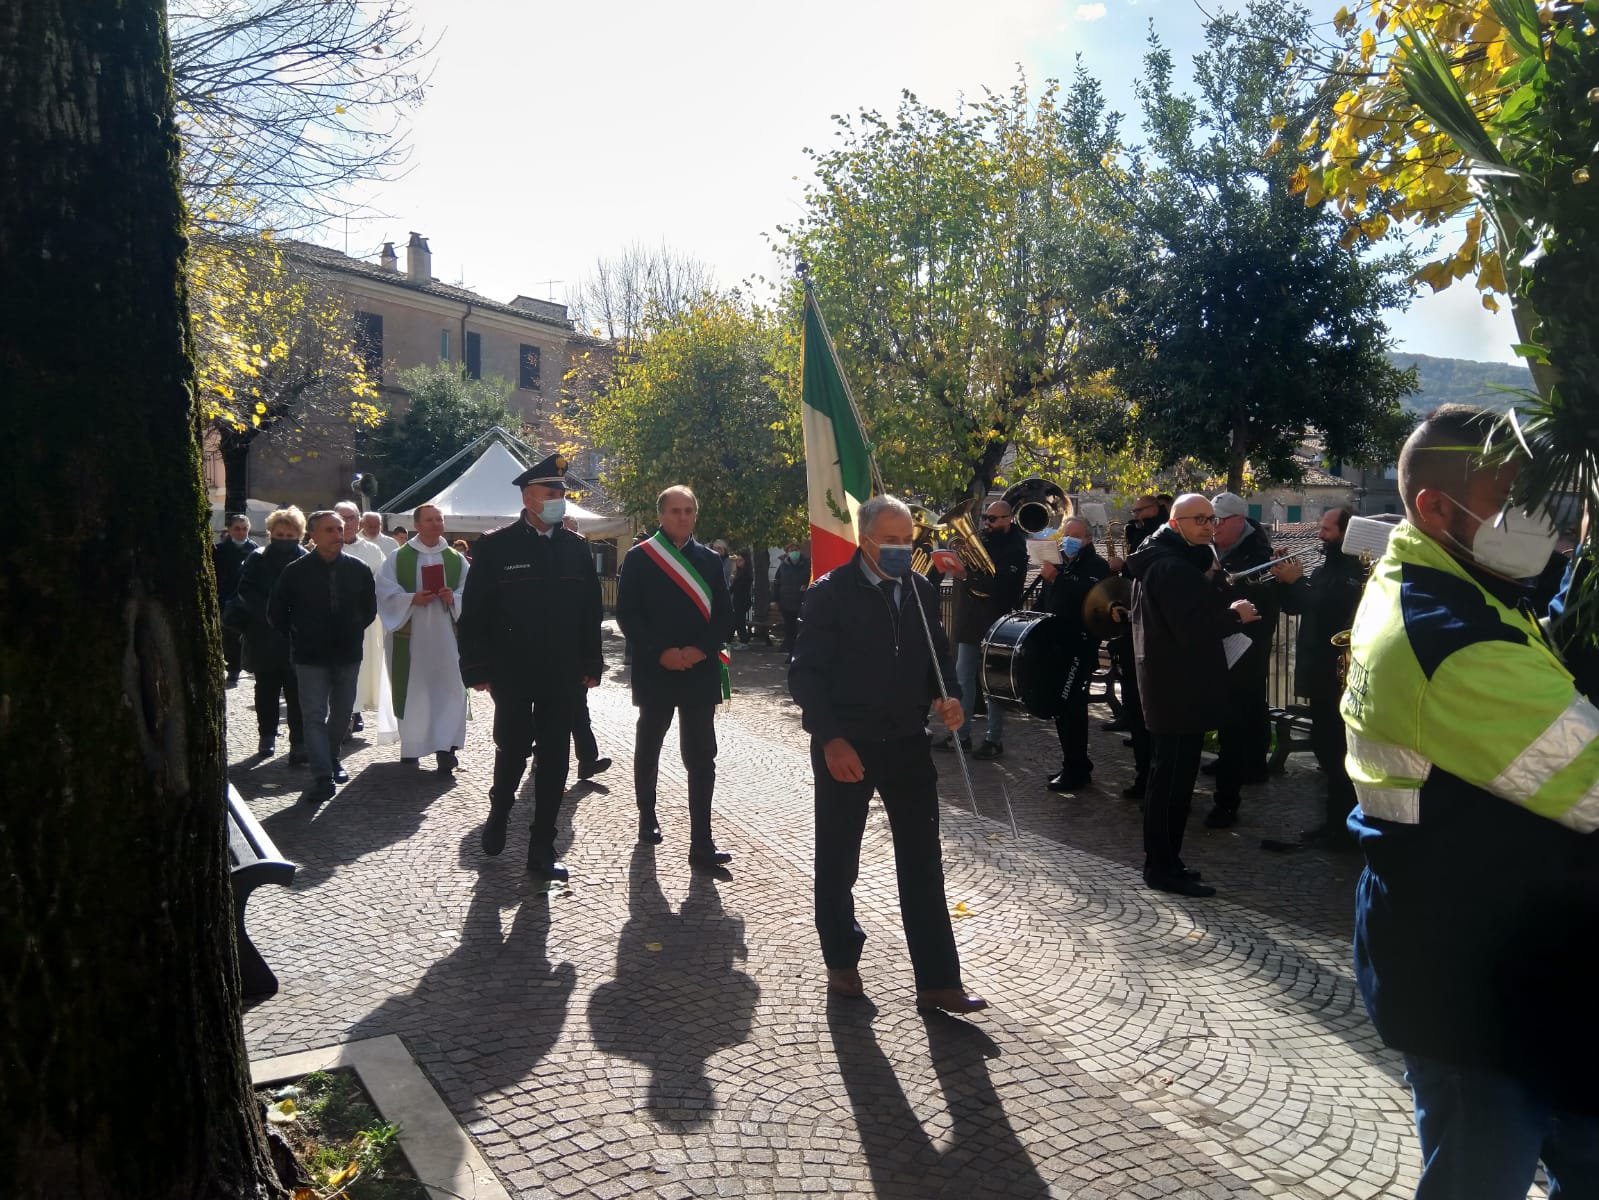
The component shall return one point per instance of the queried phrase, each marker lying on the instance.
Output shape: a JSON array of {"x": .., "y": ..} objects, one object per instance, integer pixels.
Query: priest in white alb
[
  {"x": 419, "y": 602},
  {"x": 372, "y": 685}
]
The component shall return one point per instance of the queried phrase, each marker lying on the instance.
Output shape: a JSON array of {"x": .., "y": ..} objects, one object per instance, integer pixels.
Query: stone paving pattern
[{"x": 656, "y": 1031}]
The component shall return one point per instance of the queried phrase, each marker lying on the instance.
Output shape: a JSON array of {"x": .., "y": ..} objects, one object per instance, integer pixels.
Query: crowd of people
[{"x": 1457, "y": 740}]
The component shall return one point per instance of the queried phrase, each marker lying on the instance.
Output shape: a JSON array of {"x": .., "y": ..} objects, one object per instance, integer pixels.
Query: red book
[{"x": 432, "y": 577}]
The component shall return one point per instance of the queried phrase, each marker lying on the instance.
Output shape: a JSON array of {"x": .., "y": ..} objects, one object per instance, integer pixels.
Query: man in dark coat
[
  {"x": 979, "y": 602},
  {"x": 789, "y": 584},
  {"x": 265, "y": 650},
  {"x": 323, "y": 602},
  {"x": 1149, "y": 513},
  {"x": 227, "y": 559},
  {"x": 1326, "y": 603},
  {"x": 673, "y": 606},
  {"x": 1179, "y": 622},
  {"x": 1066, "y": 586},
  {"x": 864, "y": 675},
  {"x": 530, "y": 636},
  {"x": 1244, "y": 741}
]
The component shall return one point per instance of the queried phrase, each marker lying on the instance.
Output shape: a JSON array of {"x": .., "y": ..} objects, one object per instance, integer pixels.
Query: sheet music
[
  {"x": 1366, "y": 536},
  {"x": 1234, "y": 645}
]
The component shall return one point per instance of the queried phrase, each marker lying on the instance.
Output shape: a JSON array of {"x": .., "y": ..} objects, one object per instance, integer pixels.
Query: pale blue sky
[{"x": 556, "y": 134}]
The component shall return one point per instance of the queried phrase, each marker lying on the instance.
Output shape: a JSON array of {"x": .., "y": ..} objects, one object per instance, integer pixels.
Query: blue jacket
[{"x": 861, "y": 669}]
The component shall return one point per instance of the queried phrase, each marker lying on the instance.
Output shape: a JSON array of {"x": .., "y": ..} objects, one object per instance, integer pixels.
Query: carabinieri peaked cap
[{"x": 551, "y": 473}]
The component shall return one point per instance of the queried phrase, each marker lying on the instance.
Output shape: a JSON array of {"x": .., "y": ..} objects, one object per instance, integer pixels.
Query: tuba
[
  {"x": 961, "y": 538},
  {"x": 1039, "y": 507}
]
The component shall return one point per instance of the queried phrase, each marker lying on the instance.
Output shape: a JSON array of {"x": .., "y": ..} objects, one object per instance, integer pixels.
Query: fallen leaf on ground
[{"x": 652, "y": 947}]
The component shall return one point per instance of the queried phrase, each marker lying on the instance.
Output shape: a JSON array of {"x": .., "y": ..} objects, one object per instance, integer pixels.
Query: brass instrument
[
  {"x": 1106, "y": 607},
  {"x": 924, "y": 539},
  {"x": 1341, "y": 641},
  {"x": 961, "y": 539},
  {"x": 1244, "y": 576},
  {"x": 1039, "y": 506},
  {"x": 1116, "y": 539}
]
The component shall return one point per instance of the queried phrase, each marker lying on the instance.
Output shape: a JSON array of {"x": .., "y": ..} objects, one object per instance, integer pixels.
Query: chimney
[
  {"x": 418, "y": 259},
  {"x": 389, "y": 260}
]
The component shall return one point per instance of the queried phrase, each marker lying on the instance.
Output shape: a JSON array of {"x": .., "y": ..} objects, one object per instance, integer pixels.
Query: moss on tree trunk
[{"x": 122, "y": 1065}]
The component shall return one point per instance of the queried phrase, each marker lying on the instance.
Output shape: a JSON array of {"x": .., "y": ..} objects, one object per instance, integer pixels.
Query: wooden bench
[{"x": 253, "y": 860}]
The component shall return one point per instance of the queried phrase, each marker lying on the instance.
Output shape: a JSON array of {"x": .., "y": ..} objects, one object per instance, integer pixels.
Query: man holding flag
[{"x": 673, "y": 606}]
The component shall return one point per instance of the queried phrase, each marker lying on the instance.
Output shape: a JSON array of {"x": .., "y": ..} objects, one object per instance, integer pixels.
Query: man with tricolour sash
[
  {"x": 673, "y": 605},
  {"x": 419, "y": 601}
]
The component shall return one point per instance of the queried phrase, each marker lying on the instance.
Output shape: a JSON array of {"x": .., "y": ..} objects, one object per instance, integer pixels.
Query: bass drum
[{"x": 1022, "y": 664}]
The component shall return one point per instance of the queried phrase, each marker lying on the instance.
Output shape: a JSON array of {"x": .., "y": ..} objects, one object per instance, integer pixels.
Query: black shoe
[
  {"x": 988, "y": 750},
  {"x": 357, "y": 723},
  {"x": 1127, "y": 741},
  {"x": 1136, "y": 789},
  {"x": 340, "y": 775},
  {"x": 1069, "y": 781},
  {"x": 297, "y": 756},
  {"x": 1116, "y": 726},
  {"x": 447, "y": 761},
  {"x": 709, "y": 857},
  {"x": 1179, "y": 885},
  {"x": 233, "y": 679},
  {"x": 1189, "y": 873},
  {"x": 493, "y": 839},
  {"x": 410, "y": 762},
  {"x": 589, "y": 770},
  {"x": 318, "y": 793},
  {"x": 1221, "y": 817},
  {"x": 649, "y": 830},
  {"x": 267, "y": 748},
  {"x": 541, "y": 864}
]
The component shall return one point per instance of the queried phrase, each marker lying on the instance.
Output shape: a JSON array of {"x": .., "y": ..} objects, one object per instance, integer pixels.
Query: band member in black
[
  {"x": 1066, "y": 586},
  {"x": 673, "y": 605},
  {"x": 530, "y": 635},
  {"x": 1149, "y": 513}
]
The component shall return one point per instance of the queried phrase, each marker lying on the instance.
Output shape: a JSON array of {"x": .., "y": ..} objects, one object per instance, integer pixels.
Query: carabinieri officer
[{"x": 530, "y": 636}]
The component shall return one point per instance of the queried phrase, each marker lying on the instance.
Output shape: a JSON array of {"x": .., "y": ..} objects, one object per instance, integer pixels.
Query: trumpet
[{"x": 1250, "y": 573}]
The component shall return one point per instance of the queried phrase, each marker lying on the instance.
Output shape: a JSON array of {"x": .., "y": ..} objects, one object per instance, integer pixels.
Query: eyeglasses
[
  {"x": 1201, "y": 519},
  {"x": 989, "y": 518}
]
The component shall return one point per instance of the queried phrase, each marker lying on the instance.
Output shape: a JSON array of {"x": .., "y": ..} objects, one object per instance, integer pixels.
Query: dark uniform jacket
[
  {"x": 1179, "y": 620},
  {"x": 266, "y": 651},
  {"x": 227, "y": 559},
  {"x": 1063, "y": 596},
  {"x": 861, "y": 668},
  {"x": 790, "y": 583},
  {"x": 1325, "y": 601},
  {"x": 974, "y": 614},
  {"x": 324, "y": 608},
  {"x": 1264, "y": 592},
  {"x": 530, "y": 611},
  {"x": 655, "y": 614}
]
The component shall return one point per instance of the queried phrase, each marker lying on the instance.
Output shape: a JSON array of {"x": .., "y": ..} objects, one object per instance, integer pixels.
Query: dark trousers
[
  {"x": 1328, "y": 742},
  {"x": 522, "y": 716},
  {"x": 269, "y": 685},
  {"x": 327, "y": 698},
  {"x": 902, "y": 773},
  {"x": 1244, "y": 740},
  {"x": 1173, "y": 767},
  {"x": 1132, "y": 705},
  {"x": 232, "y": 650},
  {"x": 696, "y": 740},
  {"x": 1071, "y": 727},
  {"x": 790, "y": 631},
  {"x": 588, "y": 750}
]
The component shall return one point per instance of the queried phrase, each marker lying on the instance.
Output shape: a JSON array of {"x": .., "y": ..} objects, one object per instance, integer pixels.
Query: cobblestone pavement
[{"x": 655, "y": 1031}]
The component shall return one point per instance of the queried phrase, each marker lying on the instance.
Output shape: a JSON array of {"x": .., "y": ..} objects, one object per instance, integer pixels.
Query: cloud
[{"x": 1090, "y": 12}]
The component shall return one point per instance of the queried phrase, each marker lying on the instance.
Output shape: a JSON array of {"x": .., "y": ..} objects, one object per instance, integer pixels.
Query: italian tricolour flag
[{"x": 838, "y": 469}]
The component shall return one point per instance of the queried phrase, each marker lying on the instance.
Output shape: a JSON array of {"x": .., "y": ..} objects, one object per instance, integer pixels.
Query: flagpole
[{"x": 877, "y": 479}]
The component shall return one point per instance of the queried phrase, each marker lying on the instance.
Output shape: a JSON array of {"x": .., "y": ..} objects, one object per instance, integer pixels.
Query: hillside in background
[{"x": 1460, "y": 381}]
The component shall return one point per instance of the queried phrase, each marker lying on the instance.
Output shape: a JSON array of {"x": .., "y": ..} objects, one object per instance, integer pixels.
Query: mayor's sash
[{"x": 686, "y": 575}]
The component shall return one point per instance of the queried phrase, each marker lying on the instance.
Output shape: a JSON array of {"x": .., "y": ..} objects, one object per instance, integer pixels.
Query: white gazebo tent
[{"x": 483, "y": 499}]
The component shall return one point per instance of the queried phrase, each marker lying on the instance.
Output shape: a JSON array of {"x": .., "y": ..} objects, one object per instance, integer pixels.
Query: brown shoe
[
  {"x": 950, "y": 1000},
  {"x": 845, "y": 981}
]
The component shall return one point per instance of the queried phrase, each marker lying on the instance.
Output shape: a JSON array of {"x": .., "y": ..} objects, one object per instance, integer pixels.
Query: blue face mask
[
  {"x": 893, "y": 561},
  {"x": 551, "y": 511},
  {"x": 1071, "y": 546}
]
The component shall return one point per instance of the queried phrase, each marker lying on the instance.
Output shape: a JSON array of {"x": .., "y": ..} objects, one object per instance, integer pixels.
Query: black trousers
[
  {"x": 1071, "y": 723},
  {"x": 232, "y": 650},
  {"x": 696, "y": 740},
  {"x": 521, "y": 717},
  {"x": 1132, "y": 704},
  {"x": 269, "y": 685},
  {"x": 1173, "y": 767},
  {"x": 588, "y": 750},
  {"x": 1329, "y": 744},
  {"x": 1244, "y": 741},
  {"x": 790, "y": 631},
  {"x": 902, "y": 773}
]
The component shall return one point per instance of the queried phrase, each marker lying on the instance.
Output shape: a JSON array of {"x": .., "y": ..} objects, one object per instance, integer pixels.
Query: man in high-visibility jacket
[{"x": 1476, "y": 769}]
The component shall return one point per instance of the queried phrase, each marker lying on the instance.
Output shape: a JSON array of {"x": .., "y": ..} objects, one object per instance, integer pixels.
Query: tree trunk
[
  {"x": 1237, "y": 457},
  {"x": 235, "y": 450},
  {"x": 124, "y": 1065}
]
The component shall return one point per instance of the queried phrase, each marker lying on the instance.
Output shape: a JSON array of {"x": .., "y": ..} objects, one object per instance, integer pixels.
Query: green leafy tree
[
  {"x": 447, "y": 411},
  {"x": 944, "y": 247},
  {"x": 1237, "y": 323},
  {"x": 118, "y": 976},
  {"x": 709, "y": 399}
]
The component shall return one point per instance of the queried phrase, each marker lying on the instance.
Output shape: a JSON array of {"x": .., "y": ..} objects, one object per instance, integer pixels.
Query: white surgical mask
[
  {"x": 1513, "y": 544},
  {"x": 551, "y": 511}
]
